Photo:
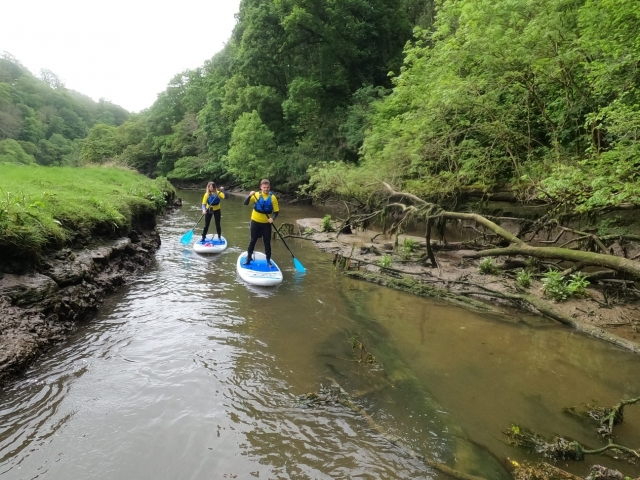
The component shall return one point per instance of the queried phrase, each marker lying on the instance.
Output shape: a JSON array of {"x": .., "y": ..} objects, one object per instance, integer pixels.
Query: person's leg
[
  {"x": 216, "y": 216},
  {"x": 266, "y": 238},
  {"x": 207, "y": 221},
  {"x": 254, "y": 230}
]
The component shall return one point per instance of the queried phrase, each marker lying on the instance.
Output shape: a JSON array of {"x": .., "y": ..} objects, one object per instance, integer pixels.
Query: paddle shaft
[
  {"x": 282, "y": 238},
  {"x": 299, "y": 267},
  {"x": 280, "y": 235},
  {"x": 194, "y": 227}
]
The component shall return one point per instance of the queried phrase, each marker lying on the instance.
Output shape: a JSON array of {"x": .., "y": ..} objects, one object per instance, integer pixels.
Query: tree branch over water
[{"x": 512, "y": 245}]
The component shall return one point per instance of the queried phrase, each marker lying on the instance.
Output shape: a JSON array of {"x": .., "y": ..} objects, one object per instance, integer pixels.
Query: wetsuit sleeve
[
  {"x": 248, "y": 200},
  {"x": 276, "y": 207}
]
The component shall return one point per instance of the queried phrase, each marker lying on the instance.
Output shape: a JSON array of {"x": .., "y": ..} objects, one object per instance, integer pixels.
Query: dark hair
[{"x": 265, "y": 181}]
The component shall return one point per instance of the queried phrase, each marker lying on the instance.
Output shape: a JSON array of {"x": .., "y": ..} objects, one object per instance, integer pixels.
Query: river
[{"x": 188, "y": 373}]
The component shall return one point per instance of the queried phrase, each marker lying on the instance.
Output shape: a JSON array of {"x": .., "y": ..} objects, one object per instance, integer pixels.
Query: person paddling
[
  {"x": 211, "y": 208},
  {"x": 265, "y": 210}
]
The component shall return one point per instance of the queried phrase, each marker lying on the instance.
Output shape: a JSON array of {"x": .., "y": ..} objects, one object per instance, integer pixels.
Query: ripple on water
[{"x": 189, "y": 373}]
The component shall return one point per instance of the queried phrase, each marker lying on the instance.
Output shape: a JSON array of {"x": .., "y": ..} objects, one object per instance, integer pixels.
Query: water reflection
[{"x": 190, "y": 373}]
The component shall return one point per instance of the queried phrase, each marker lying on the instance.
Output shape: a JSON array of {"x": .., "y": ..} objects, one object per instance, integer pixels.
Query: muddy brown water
[{"x": 188, "y": 373}]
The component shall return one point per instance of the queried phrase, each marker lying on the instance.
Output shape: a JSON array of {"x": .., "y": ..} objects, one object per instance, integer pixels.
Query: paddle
[
  {"x": 186, "y": 238},
  {"x": 296, "y": 263}
]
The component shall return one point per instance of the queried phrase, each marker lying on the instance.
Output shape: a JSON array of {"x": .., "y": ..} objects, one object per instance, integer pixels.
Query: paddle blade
[
  {"x": 298, "y": 265},
  {"x": 186, "y": 238}
]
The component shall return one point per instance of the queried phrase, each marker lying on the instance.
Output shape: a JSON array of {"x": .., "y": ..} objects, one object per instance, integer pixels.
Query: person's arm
[
  {"x": 276, "y": 208},
  {"x": 221, "y": 193},
  {"x": 248, "y": 199},
  {"x": 204, "y": 204}
]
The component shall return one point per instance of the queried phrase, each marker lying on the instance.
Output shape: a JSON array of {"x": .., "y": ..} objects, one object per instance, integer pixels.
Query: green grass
[{"x": 47, "y": 208}]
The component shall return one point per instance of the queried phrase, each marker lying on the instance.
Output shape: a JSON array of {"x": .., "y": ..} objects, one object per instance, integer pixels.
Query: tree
[
  {"x": 10, "y": 122},
  {"x": 12, "y": 152},
  {"x": 101, "y": 144},
  {"x": 51, "y": 79},
  {"x": 252, "y": 155}
]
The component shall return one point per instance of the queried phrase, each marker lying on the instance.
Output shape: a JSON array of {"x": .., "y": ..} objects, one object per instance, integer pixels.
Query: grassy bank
[{"x": 47, "y": 208}]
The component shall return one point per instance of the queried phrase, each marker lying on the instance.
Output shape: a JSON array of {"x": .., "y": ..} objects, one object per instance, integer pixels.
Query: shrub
[
  {"x": 487, "y": 267},
  {"x": 409, "y": 245},
  {"x": 327, "y": 226},
  {"x": 554, "y": 286},
  {"x": 385, "y": 261},
  {"x": 578, "y": 285},
  {"x": 524, "y": 278}
]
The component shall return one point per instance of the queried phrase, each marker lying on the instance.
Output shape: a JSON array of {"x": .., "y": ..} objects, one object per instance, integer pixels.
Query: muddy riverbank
[
  {"x": 606, "y": 312},
  {"x": 40, "y": 308}
]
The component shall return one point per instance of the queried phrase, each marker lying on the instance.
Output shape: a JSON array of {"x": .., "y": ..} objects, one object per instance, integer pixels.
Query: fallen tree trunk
[
  {"x": 620, "y": 264},
  {"x": 514, "y": 246}
]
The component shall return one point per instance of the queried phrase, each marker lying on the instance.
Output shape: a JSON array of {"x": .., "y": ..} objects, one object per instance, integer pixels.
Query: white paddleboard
[
  {"x": 258, "y": 272},
  {"x": 211, "y": 244}
]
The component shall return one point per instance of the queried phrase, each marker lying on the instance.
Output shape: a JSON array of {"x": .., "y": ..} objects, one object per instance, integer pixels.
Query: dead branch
[
  {"x": 516, "y": 246},
  {"x": 427, "y": 238},
  {"x": 573, "y": 269}
]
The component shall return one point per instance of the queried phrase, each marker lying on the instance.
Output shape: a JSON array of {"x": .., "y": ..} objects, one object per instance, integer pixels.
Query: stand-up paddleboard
[
  {"x": 258, "y": 272},
  {"x": 211, "y": 244}
]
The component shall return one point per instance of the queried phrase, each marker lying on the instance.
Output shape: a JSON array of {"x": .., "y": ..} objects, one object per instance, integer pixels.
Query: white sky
[{"x": 125, "y": 51}]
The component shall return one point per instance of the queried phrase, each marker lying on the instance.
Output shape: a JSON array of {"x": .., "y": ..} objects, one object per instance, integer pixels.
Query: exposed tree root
[
  {"x": 547, "y": 309},
  {"x": 599, "y": 472}
]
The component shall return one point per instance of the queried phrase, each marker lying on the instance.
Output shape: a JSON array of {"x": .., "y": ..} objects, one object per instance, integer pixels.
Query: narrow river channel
[{"x": 188, "y": 373}]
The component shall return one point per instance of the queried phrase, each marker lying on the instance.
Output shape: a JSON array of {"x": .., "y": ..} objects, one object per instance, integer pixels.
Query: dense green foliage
[
  {"x": 540, "y": 96},
  {"x": 292, "y": 87},
  {"x": 50, "y": 207},
  {"x": 556, "y": 287},
  {"x": 43, "y": 122}
]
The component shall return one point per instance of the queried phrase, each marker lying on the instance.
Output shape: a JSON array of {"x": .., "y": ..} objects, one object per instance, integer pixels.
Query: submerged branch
[{"x": 337, "y": 395}]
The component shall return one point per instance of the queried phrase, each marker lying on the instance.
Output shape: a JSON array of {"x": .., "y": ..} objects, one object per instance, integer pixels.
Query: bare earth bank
[{"x": 41, "y": 308}]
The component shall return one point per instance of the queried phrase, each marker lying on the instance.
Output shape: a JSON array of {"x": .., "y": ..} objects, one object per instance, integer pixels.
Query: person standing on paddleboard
[
  {"x": 265, "y": 210},
  {"x": 211, "y": 208}
]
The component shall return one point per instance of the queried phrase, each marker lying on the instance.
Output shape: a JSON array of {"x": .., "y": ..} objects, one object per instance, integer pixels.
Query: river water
[{"x": 187, "y": 373}]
